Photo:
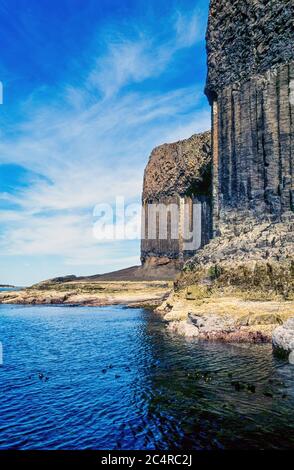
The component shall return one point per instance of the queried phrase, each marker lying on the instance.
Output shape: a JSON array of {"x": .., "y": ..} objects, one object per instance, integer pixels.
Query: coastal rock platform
[
  {"x": 81, "y": 293},
  {"x": 224, "y": 318}
]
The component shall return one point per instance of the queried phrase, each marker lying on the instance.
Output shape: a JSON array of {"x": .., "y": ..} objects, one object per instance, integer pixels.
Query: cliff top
[
  {"x": 178, "y": 167},
  {"x": 246, "y": 38}
]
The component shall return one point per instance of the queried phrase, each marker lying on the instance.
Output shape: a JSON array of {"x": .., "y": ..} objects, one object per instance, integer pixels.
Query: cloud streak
[{"x": 90, "y": 142}]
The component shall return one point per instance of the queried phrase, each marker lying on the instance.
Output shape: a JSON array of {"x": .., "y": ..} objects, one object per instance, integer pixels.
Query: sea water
[{"x": 114, "y": 378}]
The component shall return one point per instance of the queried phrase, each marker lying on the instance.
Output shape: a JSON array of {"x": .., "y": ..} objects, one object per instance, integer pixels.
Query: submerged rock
[{"x": 283, "y": 339}]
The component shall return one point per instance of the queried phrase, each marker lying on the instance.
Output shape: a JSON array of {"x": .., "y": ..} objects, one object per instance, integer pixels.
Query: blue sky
[{"x": 90, "y": 87}]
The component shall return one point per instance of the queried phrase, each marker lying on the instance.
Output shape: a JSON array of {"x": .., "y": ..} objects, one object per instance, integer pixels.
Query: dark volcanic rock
[
  {"x": 178, "y": 175},
  {"x": 250, "y": 71},
  {"x": 250, "y": 75},
  {"x": 177, "y": 168},
  {"x": 250, "y": 85},
  {"x": 247, "y": 38}
]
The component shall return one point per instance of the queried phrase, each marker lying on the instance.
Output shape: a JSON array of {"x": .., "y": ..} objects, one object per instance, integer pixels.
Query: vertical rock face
[
  {"x": 247, "y": 38},
  {"x": 177, "y": 188},
  {"x": 250, "y": 72},
  {"x": 249, "y": 207}
]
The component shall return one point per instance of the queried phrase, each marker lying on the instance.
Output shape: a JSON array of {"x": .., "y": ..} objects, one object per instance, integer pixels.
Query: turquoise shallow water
[
  {"x": 113, "y": 378},
  {"x": 9, "y": 289}
]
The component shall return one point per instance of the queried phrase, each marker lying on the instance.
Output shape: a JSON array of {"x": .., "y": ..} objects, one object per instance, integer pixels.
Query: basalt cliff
[
  {"x": 244, "y": 263},
  {"x": 178, "y": 176},
  {"x": 250, "y": 75}
]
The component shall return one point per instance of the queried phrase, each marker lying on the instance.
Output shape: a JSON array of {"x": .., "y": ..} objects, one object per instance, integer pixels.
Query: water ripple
[{"x": 111, "y": 378}]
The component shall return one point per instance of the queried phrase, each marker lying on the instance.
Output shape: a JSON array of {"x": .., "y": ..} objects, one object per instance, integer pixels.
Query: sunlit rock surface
[
  {"x": 283, "y": 338},
  {"x": 177, "y": 174}
]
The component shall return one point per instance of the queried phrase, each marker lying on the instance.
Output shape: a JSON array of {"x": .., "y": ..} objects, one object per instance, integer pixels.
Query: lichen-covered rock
[
  {"x": 183, "y": 328},
  {"x": 250, "y": 254},
  {"x": 283, "y": 338},
  {"x": 217, "y": 328},
  {"x": 212, "y": 323},
  {"x": 260, "y": 319},
  {"x": 244, "y": 238}
]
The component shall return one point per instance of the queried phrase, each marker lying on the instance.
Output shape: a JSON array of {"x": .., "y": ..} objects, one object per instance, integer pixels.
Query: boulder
[
  {"x": 183, "y": 328},
  {"x": 212, "y": 323},
  {"x": 283, "y": 338}
]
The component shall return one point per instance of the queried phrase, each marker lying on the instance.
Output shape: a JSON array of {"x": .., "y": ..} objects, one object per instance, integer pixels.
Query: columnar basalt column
[
  {"x": 177, "y": 197},
  {"x": 250, "y": 70},
  {"x": 215, "y": 167}
]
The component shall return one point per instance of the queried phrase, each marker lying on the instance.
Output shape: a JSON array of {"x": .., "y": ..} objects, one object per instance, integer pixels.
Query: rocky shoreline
[
  {"x": 229, "y": 318},
  {"x": 96, "y": 294},
  {"x": 187, "y": 313}
]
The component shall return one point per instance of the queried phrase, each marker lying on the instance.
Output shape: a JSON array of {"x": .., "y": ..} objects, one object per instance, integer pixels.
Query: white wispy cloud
[
  {"x": 128, "y": 61},
  {"x": 91, "y": 143},
  {"x": 189, "y": 28}
]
